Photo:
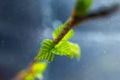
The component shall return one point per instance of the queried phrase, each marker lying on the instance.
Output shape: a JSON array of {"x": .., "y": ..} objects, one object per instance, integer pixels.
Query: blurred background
[{"x": 25, "y": 23}]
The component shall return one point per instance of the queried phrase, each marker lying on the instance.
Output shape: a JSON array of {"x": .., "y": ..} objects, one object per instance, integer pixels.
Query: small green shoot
[
  {"x": 37, "y": 70},
  {"x": 63, "y": 48},
  {"x": 82, "y": 7}
]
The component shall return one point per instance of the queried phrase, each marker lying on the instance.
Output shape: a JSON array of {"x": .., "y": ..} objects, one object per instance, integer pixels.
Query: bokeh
[{"x": 25, "y": 23}]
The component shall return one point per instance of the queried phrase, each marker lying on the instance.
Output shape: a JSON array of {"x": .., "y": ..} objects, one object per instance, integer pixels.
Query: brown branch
[
  {"x": 74, "y": 20},
  {"x": 63, "y": 32},
  {"x": 100, "y": 13},
  {"x": 21, "y": 75}
]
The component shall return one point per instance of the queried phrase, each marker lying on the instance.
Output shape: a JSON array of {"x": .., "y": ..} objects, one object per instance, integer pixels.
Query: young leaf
[
  {"x": 62, "y": 48},
  {"x": 59, "y": 29},
  {"x": 82, "y": 7},
  {"x": 75, "y": 50},
  {"x": 38, "y": 68},
  {"x": 45, "y": 51},
  {"x": 29, "y": 77},
  {"x": 65, "y": 48}
]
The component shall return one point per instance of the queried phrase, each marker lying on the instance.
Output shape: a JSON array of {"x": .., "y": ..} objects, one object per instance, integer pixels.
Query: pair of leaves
[{"x": 63, "y": 48}]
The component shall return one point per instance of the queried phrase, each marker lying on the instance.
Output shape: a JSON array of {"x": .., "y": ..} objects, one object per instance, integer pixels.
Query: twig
[{"x": 74, "y": 20}]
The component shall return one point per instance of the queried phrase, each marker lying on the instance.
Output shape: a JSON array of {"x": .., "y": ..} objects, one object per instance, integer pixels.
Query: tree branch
[
  {"x": 74, "y": 20},
  {"x": 100, "y": 13}
]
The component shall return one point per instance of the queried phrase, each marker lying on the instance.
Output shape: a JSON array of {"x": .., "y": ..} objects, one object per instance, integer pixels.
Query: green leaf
[
  {"x": 38, "y": 68},
  {"x": 45, "y": 51},
  {"x": 82, "y": 7},
  {"x": 75, "y": 50},
  {"x": 62, "y": 48},
  {"x": 29, "y": 77},
  {"x": 59, "y": 29},
  {"x": 65, "y": 48}
]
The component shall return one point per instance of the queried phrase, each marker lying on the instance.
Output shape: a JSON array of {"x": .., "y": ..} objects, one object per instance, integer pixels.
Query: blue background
[{"x": 25, "y": 23}]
